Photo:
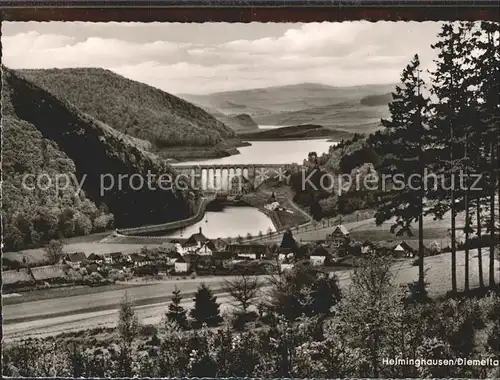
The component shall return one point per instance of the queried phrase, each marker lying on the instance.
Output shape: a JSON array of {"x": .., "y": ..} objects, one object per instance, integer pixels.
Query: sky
[{"x": 184, "y": 58}]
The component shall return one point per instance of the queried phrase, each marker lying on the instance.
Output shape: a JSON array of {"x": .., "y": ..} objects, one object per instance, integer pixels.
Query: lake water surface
[
  {"x": 272, "y": 152},
  {"x": 230, "y": 222},
  {"x": 238, "y": 220}
]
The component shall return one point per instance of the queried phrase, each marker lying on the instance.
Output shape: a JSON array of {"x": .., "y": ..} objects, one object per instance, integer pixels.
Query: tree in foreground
[
  {"x": 370, "y": 314},
  {"x": 244, "y": 289},
  {"x": 206, "y": 309},
  {"x": 176, "y": 313},
  {"x": 403, "y": 148},
  {"x": 128, "y": 329}
]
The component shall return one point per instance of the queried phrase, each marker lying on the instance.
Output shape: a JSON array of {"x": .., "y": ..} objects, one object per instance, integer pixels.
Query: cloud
[{"x": 348, "y": 53}]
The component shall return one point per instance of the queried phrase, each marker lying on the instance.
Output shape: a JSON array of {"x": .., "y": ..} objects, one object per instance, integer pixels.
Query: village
[{"x": 198, "y": 255}]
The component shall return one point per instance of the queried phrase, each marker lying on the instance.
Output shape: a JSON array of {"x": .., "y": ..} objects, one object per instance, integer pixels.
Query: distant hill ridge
[
  {"x": 133, "y": 108},
  {"x": 354, "y": 109}
]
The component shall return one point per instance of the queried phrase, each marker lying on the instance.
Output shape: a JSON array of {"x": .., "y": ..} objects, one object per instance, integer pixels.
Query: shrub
[
  {"x": 303, "y": 290},
  {"x": 241, "y": 318},
  {"x": 94, "y": 278}
]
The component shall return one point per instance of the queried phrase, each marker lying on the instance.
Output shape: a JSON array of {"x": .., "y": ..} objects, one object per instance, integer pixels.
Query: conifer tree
[
  {"x": 448, "y": 132},
  {"x": 206, "y": 309},
  {"x": 487, "y": 62},
  {"x": 403, "y": 148},
  {"x": 175, "y": 311}
]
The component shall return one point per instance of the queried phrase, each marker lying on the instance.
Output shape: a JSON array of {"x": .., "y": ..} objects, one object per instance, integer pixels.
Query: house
[
  {"x": 249, "y": 251},
  {"x": 116, "y": 257},
  {"x": 196, "y": 242},
  {"x": 49, "y": 274},
  {"x": 74, "y": 260},
  {"x": 17, "y": 278},
  {"x": 139, "y": 260},
  {"x": 318, "y": 255},
  {"x": 284, "y": 253},
  {"x": 170, "y": 257},
  {"x": 8, "y": 264},
  {"x": 272, "y": 206},
  {"x": 183, "y": 264},
  {"x": 409, "y": 248},
  {"x": 206, "y": 248},
  {"x": 106, "y": 257},
  {"x": 178, "y": 246},
  {"x": 92, "y": 267},
  {"x": 403, "y": 250},
  {"x": 93, "y": 257},
  {"x": 338, "y": 237}
]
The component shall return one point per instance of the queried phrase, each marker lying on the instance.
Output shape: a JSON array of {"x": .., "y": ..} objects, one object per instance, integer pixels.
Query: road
[{"x": 48, "y": 317}]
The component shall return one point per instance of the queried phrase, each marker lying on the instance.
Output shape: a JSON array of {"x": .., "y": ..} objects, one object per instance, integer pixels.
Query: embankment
[{"x": 170, "y": 226}]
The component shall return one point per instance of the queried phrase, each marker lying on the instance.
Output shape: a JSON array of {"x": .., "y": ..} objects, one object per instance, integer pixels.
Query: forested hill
[
  {"x": 133, "y": 108},
  {"x": 43, "y": 135}
]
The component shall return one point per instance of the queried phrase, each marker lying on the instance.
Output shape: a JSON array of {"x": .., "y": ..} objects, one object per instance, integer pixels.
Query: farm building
[
  {"x": 12, "y": 279},
  {"x": 49, "y": 274},
  {"x": 249, "y": 251}
]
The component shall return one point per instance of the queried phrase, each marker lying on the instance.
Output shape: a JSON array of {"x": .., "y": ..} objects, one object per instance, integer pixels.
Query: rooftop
[{"x": 48, "y": 272}]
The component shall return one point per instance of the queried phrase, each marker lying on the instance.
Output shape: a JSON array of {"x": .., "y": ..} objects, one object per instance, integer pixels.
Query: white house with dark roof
[
  {"x": 338, "y": 237},
  {"x": 318, "y": 255},
  {"x": 198, "y": 244}
]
